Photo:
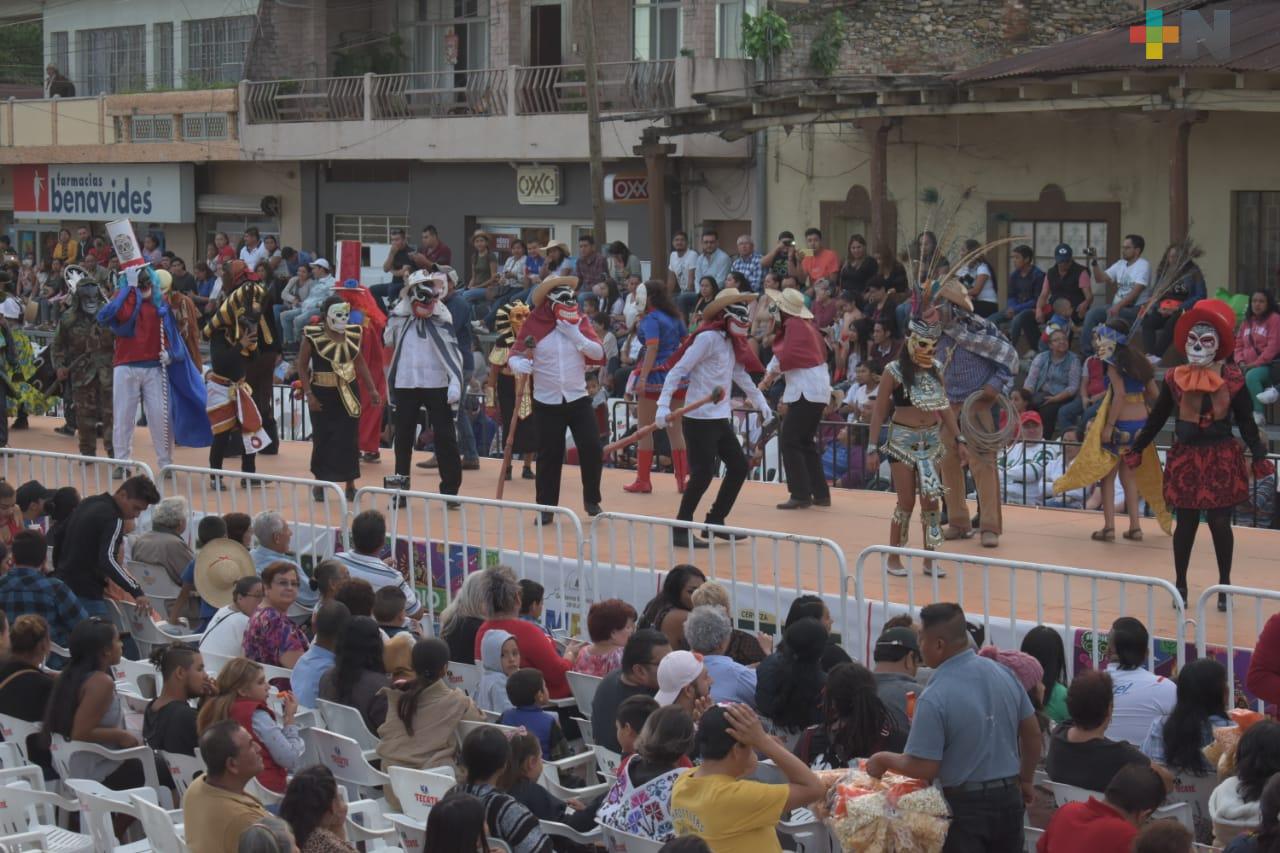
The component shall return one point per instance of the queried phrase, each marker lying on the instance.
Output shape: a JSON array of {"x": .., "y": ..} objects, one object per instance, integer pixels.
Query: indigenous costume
[
  {"x": 374, "y": 322},
  {"x": 335, "y": 454},
  {"x": 426, "y": 373},
  {"x": 565, "y": 345},
  {"x": 235, "y": 331},
  {"x": 800, "y": 355},
  {"x": 664, "y": 332},
  {"x": 1205, "y": 468},
  {"x": 84, "y": 349},
  {"x": 32, "y": 377},
  {"x": 500, "y": 393},
  {"x": 185, "y": 315},
  {"x": 976, "y": 357},
  {"x": 716, "y": 356}
]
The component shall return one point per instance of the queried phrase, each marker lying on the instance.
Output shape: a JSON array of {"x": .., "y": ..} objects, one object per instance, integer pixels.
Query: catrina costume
[
  {"x": 1097, "y": 459},
  {"x": 335, "y": 454},
  {"x": 500, "y": 392},
  {"x": 365, "y": 306},
  {"x": 235, "y": 331},
  {"x": 1205, "y": 468},
  {"x": 716, "y": 356},
  {"x": 565, "y": 347}
]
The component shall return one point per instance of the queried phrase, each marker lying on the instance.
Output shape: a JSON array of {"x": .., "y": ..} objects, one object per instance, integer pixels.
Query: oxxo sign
[
  {"x": 538, "y": 184},
  {"x": 163, "y": 192},
  {"x": 626, "y": 189}
]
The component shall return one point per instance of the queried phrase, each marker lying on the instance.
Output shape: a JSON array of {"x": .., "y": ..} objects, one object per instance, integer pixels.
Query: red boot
[
  {"x": 644, "y": 464},
  {"x": 680, "y": 464}
]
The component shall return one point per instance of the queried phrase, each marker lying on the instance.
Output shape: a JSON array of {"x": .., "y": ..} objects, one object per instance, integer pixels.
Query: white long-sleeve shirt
[
  {"x": 812, "y": 383},
  {"x": 709, "y": 363},
  {"x": 559, "y": 365}
]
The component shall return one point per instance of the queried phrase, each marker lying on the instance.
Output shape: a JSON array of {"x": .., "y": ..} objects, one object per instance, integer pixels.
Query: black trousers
[
  {"x": 710, "y": 442},
  {"x": 408, "y": 403},
  {"x": 988, "y": 821},
  {"x": 580, "y": 420},
  {"x": 800, "y": 457},
  {"x": 260, "y": 374},
  {"x": 218, "y": 452}
]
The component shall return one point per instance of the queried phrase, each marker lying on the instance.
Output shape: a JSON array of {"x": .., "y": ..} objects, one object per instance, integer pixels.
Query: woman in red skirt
[{"x": 1205, "y": 468}]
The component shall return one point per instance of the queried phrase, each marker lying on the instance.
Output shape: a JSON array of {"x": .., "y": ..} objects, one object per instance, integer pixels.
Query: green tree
[{"x": 21, "y": 46}]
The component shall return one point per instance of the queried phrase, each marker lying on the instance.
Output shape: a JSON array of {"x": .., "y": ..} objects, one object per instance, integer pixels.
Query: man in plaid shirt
[{"x": 27, "y": 589}]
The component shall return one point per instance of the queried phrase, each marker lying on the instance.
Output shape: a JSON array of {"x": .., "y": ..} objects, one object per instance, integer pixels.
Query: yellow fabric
[
  {"x": 731, "y": 815},
  {"x": 1094, "y": 462},
  {"x": 215, "y": 819}
]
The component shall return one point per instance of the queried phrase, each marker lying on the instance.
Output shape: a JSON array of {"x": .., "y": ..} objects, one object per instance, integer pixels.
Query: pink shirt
[
  {"x": 590, "y": 663},
  {"x": 1258, "y": 342}
]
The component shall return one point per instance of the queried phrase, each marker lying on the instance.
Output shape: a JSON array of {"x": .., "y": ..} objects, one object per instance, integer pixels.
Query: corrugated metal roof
[{"x": 1255, "y": 46}]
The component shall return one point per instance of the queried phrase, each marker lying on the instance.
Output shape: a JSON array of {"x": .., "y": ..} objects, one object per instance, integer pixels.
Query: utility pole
[{"x": 593, "y": 127}]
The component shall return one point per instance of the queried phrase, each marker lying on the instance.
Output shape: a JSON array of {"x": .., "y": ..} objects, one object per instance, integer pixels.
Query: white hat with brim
[
  {"x": 725, "y": 298},
  {"x": 557, "y": 244},
  {"x": 790, "y": 301},
  {"x": 676, "y": 672},
  {"x": 547, "y": 285},
  {"x": 219, "y": 565}
]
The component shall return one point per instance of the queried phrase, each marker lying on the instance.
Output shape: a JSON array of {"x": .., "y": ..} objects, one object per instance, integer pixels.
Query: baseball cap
[
  {"x": 894, "y": 639},
  {"x": 1031, "y": 417},
  {"x": 676, "y": 672},
  {"x": 31, "y": 492},
  {"x": 322, "y": 263},
  {"x": 1024, "y": 667},
  {"x": 1063, "y": 253}
]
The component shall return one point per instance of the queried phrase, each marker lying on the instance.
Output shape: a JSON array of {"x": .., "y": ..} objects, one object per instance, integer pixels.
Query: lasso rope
[{"x": 981, "y": 439}]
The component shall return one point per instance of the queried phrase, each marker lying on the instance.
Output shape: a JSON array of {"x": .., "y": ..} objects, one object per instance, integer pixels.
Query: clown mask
[
  {"x": 337, "y": 316},
  {"x": 1202, "y": 345},
  {"x": 738, "y": 319},
  {"x": 922, "y": 349},
  {"x": 564, "y": 305},
  {"x": 423, "y": 300}
]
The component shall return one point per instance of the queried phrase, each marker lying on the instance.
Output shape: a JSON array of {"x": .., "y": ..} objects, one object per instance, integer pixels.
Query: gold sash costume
[
  {"x": 510, "y": 318},
  {"x": 341, "y": 356}
]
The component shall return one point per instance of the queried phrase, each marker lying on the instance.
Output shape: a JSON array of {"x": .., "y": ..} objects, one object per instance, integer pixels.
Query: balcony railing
[
  {"x": 540, "y": 90},
  {"x": 144, "y": 117}
]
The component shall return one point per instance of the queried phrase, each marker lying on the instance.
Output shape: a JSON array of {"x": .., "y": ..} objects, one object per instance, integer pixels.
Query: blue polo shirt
[
  {"x": 730, "y": 680},
  {"x": 968, "y": 718}
]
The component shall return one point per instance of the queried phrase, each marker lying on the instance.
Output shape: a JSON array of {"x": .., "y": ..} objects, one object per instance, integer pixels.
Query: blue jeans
[
  {"x": 1024, "y": 326},
  {"x": 383, "y": 292},
  {"x": 1099, "y": 315},
  {"x": 475, "y": 296}
]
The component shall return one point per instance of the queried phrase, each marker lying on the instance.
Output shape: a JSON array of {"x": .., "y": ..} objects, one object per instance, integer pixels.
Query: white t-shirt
[
  {"x": 988, "y": 292},
  {"x": 1140, "y": 697},
  {"x": 681, "y": 266},
  {"x": 254, "y": 256},
  {"x": 1129, "y": 276},
  {"x": 225, "y": 634}
]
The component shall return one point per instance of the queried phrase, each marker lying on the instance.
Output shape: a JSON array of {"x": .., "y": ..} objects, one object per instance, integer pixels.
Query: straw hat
[
  {"x": 724, "y": 299},
  {"x": 219, "y": 564},
  {"x": 547, "y": 285},
  {"x": 790, "y": 301},
  {"x": 557, "y": 244}
]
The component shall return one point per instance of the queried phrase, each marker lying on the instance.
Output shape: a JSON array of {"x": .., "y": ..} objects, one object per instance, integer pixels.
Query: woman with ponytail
[
  {"x": 242, "y": 696},
  {"x": 423, "y": 714}
]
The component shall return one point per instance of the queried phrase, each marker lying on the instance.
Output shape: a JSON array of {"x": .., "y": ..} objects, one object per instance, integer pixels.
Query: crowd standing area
[{"x": 236, "y": 697}]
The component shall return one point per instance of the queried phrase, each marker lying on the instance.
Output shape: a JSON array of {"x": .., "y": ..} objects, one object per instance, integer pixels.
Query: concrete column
[
  {"x": 368, "y": 97},
  {"x": 655, "y": 162}
]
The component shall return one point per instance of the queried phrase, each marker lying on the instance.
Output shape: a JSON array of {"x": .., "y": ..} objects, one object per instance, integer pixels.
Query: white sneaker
[
  {"x": 1260, "y": 419},
  {"x": 1269, "y": 396}
]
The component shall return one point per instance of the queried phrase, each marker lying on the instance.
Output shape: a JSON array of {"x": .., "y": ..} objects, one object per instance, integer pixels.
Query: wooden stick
[
  {"x": 714, "y": 397},
  {"x": 522, "y": 381}
]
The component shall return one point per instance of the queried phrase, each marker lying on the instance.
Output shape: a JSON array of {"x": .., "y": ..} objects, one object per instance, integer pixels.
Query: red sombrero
[{"x": 1216, "y": 313}]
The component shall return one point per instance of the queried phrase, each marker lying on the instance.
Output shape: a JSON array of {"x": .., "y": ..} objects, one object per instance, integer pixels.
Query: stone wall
[{"x": 914, "y": 36}]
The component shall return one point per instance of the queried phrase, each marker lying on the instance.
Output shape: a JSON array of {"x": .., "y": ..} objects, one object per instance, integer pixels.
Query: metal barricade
[
  {"x": 629, "y": 554},
  {"x": 437, "y": 545},
  {"x": 1233, "y": 593},
  {"x": 315, "y": 509},
  {"x": 90, "y": 475},
  {"x": 998, "y": 588}
]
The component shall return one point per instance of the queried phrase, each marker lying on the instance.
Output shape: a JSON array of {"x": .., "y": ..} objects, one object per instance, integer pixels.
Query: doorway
[{"x": 546, "y": 41}]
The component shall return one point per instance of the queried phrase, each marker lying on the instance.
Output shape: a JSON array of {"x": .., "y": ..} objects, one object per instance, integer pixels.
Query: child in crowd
[
  {"x": 388, "y": 610},
  {"x": 521, "y": 782},
  {"x": 1059, "y": 319},
  {"x": 527, "y": 691},
  {"x": 486, "y": 752},
  {"x": 500, "y": 658},
  {"x": 630, "y": 720},
  {"x": 531, "y": 595},
  {"x": 861, "y": 394},
  {"x": 599, "y": 401},
  {"x": 328, "y": 576}
]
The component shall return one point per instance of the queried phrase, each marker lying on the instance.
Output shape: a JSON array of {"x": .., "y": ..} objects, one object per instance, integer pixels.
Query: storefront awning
[{"x": 236, "y": 205}]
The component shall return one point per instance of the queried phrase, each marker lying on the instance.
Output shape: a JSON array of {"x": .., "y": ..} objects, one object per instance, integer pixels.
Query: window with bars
[
  {"x": 216, "y": 49},
  {"x": 1257, "y": 240},
  {"x": 366, "y": 228},
  {"x": 112, "y": 60},
  {"x": 1043, "y": 236},
  {"x": 657, "y": 29},
  {"x": 60, "y": 52},
  {"x": 162, "y": 44}
]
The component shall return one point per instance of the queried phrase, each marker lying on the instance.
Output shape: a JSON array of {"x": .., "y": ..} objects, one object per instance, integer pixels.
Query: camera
[{"x": 1090, "y": 252}]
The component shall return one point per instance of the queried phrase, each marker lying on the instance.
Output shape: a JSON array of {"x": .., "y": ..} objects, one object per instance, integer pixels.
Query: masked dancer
[
  {"x": 329, "y": 363},
  {"x": 1205, "y": 468},
  {"x": 500, "y": 391},
  {"x": 564, "y": 346},
  {"x": 662, "y": 331},
  {"x": 715, "y": 356},
  {"x": 426, "y": 373},
  {"x": 82, "y": 355},
  {"x": 374, "y": 323}
]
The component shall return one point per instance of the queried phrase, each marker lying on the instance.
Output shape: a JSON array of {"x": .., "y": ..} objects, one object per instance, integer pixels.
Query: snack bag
[{"x": 895, "y": 814}]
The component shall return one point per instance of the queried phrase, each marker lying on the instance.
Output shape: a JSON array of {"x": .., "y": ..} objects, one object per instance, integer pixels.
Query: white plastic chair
[
  {"x": 148, "y": 634},
  {"x": 607, "y": 762},
  {"x": 26, "y": 807},
  {"x": 347, "y": 721},
  {"x": 23, "y": 842},
  {"x": 465, "y": 677},
  {"x": 16, "y": 732},
  {"x": 418, "y": 790},
  {"x": 163, "y": 828},
  {"x": 214, "y": 663},
  {"x": 262, "y": 793},
  {"x": 139, "y": 676},
  {"x": 411, "y": 833},
  {"x": 97, "y": 804},
  {"x": 346, "y": 761},
  {"x": 584, "y": 726},
  {"x": 1030, "y": 838},
  {"x": 63, "y": 749},
  {"x": 466, "y": 727},
  {"x": 183, "y": 768},
  {"x": 1181, "y": 812},
  {"x": 562, "y": 830},
  {"x": 584, "y": 690},
  {"x": 367, "y": 823},
  {"x": 617, "y": 841},
  {"x": 155, "y": 581}
]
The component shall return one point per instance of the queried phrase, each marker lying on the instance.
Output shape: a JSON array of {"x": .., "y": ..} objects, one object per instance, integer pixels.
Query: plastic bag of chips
[{"x": 895, "y": 814}]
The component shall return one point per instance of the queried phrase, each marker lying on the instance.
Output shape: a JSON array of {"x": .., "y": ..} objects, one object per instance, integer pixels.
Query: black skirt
[
  {"x": 526, "y": 429},
  {"x": 335, "y": 449}
]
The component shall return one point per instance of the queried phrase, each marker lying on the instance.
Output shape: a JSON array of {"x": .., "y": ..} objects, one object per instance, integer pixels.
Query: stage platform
[{"x": 856, "y": 520}]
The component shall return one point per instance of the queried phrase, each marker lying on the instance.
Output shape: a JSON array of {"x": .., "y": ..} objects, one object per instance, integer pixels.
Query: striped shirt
[
  {"x": 379, "y": 574},
  {"x": 509, "y": 821},
  {"x": 967, "y": 372}
]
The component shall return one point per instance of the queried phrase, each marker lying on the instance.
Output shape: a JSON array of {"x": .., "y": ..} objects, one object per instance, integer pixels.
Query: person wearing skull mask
[
  {"x": 716, "y": 356},
  {"x": 500, "y": 391},
  {"x": 82, "y": 355},
  {"x": 564, "y": 345},
  {"x": 913, "y": 386},
  {"x": 426, "y": 373},
  {"x": 329, "y": 363},
  {"x": 1205, "y": 468},
  {"x": 235, "y": 331}
]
